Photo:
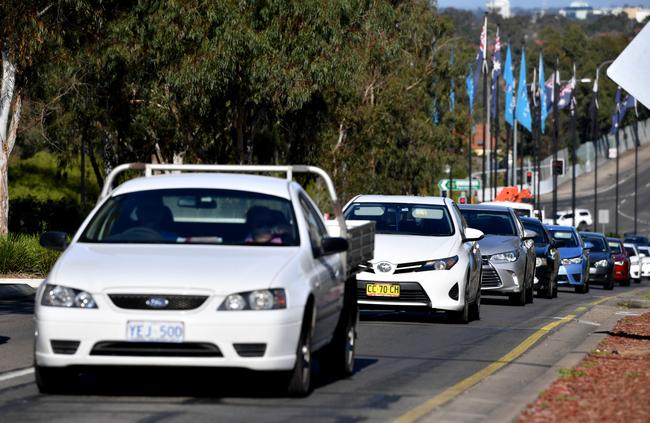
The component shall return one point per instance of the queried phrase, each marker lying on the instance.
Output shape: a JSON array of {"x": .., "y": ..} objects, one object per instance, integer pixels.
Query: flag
[
  {"x": 481, "y": 56},
  {"x": 565, "y": 95},
  {"x": 542, "y": 95},
  {"x": 550, "y": 92},
  {"x": 622, "y": 107},
  {"x": 452, "y": 89},
  {"x": 616, "y": 119},
  {"x": 509, "y": 79},
  {"x": 469, "y": 83},
  {"x": 522, "y": 109},
  {"x": 496, "y": 72}
]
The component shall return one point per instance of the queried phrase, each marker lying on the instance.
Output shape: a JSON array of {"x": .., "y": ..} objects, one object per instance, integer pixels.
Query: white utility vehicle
[
  {"x": 203, "y": 265},
  {"x": 425, "y": 256}
]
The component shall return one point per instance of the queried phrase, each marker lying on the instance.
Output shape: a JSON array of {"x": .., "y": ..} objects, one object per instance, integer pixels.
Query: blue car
[{"x": 574, "y": 258}]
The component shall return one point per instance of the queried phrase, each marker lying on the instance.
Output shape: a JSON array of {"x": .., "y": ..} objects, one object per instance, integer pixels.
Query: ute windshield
[
  {"x": 564, "y": 239},
  {"x": 490, "y": 222},
  {"x": 184, "y": 216}
]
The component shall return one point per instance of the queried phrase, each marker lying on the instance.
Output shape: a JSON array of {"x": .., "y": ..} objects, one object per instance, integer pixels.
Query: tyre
[
  {"x": 518, "y": 299},
  {"x": 530, "y": 294},
  {"x": 300, "y": 376},
  {"x": 461, "y": 316},
  {"x": 637, "y": 280},
  {"x": 625, "y": 282},
  {"x": 555, "y": 288},
  {"x": 337, "y": 358},
  {"x": 551, "y": 289},
  {"x": 475, "y": 309},
  {"x": 51, "y": 380},
  {"x": 609, "y": 285}
]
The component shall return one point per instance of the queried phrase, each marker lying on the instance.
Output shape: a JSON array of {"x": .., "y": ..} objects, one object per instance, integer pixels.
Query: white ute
[{"x": 203, "y": 265}]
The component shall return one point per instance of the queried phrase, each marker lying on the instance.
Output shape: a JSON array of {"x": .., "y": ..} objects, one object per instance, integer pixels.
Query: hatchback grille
[
  {"x": 64, "y": 347},
  {"x": 156, "y": 349},
  {"x": 414, "y": 266},
  {"x": 157, "y": 301},
  {"x": 490, "y": 278},
  {"x": 409, "y": 292},
  {"x": 562, "y": 278},
  {"x": 485, "y": 260}
]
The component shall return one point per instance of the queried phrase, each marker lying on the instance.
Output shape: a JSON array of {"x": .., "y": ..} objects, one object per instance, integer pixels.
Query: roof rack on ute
[{"x": 150, "y": 168}]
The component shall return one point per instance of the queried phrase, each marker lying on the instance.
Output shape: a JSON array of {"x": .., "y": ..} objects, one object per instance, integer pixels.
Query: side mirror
[
  {"x": 54, "y": 240},
  {"x": 472, "y": 234},
  {"x": 528, "y": 234},
  {"x": 333, "y": 245},
  {"x": 641, "y": 255}
]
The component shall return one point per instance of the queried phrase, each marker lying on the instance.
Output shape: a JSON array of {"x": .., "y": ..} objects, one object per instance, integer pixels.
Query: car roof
[
  {"x": 512, "y": 204},
  {"x": 596, "y": 234},
  {"x": 630, "y": 245},
  {"x": 278, "y": 187},
  {"x": 406, "y": 199},
  {"x": 560, "y": 228},
  {"x": 530, "y": 219},
  {"x": 609, "y": 238},
  {"x": 486, "y": 207}
]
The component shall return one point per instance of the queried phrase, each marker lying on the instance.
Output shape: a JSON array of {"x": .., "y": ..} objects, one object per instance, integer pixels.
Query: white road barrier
[{"x": 34, "y": 283}]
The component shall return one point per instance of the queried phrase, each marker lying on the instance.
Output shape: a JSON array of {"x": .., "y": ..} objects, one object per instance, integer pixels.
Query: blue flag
[
  {"x": 509, "y": 79},
  {"x": 452, "y": 90},
  {"x": 616, "y": 117},
  {"x": 469, "y": 83},
  {"x": 522, "y": 110},
  {"x": 542, "y": 95},
  {"x": 496, "y": 72}
]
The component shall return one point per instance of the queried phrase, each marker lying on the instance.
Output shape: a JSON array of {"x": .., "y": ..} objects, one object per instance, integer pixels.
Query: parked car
[
  {"x": 574, "y": 258},
  {"x": 621, "y": 262},
  {"x": 508, "y": 252},
  {"x": 202, "y": 269},
  {"x": 425, "y": 256},
  {"x": 636, "y": 239},
  {"x": 644, "y": 254},
  {"x": 635, "y": 261},
  {"x": 601, "y": 262},
  {"x": 547, "y": 262},
  {"x": 522, "y": 209},
  {"x": 583, "y": 218}
]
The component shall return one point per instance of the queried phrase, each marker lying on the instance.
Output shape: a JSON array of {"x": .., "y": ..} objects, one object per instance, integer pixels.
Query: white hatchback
[{"x": 425, "y": 256}]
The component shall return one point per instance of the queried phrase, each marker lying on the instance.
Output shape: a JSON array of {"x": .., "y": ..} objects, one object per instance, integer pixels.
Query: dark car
[
  {"x": 601, "y": 262},
  {"x": 636, "y": 239},
  {"x": 547, "y": 263}
]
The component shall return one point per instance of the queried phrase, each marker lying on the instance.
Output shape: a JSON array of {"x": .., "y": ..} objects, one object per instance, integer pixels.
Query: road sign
[
  {"x": 612, "y": 153},
  {"x": 603, "y": 216},
  {"x": 459, "y": 184}
]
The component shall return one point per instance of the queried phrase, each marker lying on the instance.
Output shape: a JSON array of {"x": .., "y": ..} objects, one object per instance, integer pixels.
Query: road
[
  {"x": 403, "y": 360},
  {"x": 607, "y": 192}
]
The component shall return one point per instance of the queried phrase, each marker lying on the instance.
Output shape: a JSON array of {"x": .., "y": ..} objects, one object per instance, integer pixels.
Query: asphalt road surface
[
  {"x": 607, "y": 192},
  {"x": 403, "y": 360}
]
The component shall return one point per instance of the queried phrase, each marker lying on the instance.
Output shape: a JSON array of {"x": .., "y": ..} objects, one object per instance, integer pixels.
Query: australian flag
[
  {"x": 621, "y": 109},
  {"x": 496, "y": 72}
]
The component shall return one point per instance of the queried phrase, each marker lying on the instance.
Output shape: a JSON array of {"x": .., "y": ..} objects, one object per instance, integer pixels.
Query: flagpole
[
  {"x": 556, "y": 129},
  {"x": 618, "y": 120},
  {"x": 486, "y": 111},
  {"x": 496, "y": 138},
  {"x": 514, "y": 152},
  {"x": 573, "y": 147}
]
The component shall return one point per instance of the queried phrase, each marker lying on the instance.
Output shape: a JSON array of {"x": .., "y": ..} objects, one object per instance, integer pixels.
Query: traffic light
[
  {"x": 529, "y": 177},
  {"x": 558, "y": 166},
  {"x": 462, "y": 200}
]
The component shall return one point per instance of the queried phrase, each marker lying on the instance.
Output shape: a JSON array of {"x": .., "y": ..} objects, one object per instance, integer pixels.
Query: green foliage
[{"x": 22, "y": 254}]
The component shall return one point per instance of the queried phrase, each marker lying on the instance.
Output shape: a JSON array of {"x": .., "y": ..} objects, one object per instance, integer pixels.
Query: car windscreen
[
  {"x": 639, "y": 240},
  {"x": 522, "y": 212},
  {"x": 404, "y": 219},
  {"x": 615, "y": 247},
  {"x": 490, "y": 222},
  {"x": 599, "y": 244},
  {"x": 644, "y": 250},
  {"x": 186, "y": 215},
  {"x": 540, "y": 238},
  {"x": 630, "y": 251},
  {"x": 564, "y": 239}
]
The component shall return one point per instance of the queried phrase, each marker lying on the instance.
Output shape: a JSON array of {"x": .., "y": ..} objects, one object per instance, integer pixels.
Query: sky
[{"x": 475, "y": 4}]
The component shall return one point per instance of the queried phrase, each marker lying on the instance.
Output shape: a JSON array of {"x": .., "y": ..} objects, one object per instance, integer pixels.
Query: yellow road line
[
  {"x": 602, "y": 300},
  {"x": 581, "y": 309},
  {"x": 450, "y": 393}
]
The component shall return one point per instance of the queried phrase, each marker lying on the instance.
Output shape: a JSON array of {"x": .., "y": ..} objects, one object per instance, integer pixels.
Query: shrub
[{"x": 22, "y": 254}]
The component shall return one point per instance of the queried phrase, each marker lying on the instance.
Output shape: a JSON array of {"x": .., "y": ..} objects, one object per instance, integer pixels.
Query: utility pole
[
  {"x": 572, "y": 106},
  {"x": 618, "y": 119},
  {"x": 556, "y": 130}
]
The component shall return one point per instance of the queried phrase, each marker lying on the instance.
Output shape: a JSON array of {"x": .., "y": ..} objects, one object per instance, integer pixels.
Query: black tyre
[
  {"x": 518, "y": 299},
  {"x": 52, "y": 380},
  {"x": 300, "y": 376},
  {"x": 637, "y": 280},
  {"x": 582, "y": 289},
  {"x": 475, "y": 308},
  {"x": 555, "y": 288},
  {"x": 625, "y": 282},
  {"x": 338, "y": 357},
  {"x": 609, "y": 285},
  {"x": 461, "y": 316},
  {"x": 530, "y": 297}
]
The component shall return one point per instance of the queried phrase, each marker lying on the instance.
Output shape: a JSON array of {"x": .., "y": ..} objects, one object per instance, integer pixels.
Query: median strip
[{"x": 16, "y": 373}]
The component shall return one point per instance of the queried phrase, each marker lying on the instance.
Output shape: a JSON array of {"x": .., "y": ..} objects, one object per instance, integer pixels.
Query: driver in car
[{"x": 263, "y": 227}]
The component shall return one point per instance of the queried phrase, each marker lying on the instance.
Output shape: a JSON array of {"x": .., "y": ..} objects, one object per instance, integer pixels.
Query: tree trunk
[
  {"x": 7, "y": 134},
  {"x": 95, "y": 165}
]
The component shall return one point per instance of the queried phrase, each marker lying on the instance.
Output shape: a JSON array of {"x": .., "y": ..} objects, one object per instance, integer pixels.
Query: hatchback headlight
[
  {"x": 441, "y": 264},
  {"x": 540, "y": 261},
  {"x": 601, "y": 263},
  {"x": 63, "y": 296},
  {"x": 573, "y": 260},
  {"x": 507, "y": 257},
  {"x": 263, "y": 299}
]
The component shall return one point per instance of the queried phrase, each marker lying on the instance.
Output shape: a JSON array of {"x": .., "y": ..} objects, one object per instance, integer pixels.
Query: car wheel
[
  {"x": 519, "y": 298},
  {"x": 475, "y": 310},
  {"x": 626, "y": 282},
  {"x": 530, "y": 297},
  {"x": 550, "y": 289},
  {"x": 52, "y": 380},
  {"x": 461, "y": 316},
  {"x": 300, "y": 376},
  {"x": 637, "y": 280},
  {"x": 555, "y": 288},
  {"x": 609, "y": 285},
  {"x": 338, "y": 357}
]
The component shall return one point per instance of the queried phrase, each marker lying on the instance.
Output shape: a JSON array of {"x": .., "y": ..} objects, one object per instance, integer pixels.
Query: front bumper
[
  {"x": 635, "y": 271},
  {"x": 503, "y": 278},
  {"x": 600, "y": 275},
  {"x": 645, "y": 270},
  {"x": 433, "y": 289},
  {"x": 571, "y": 275},
  {"x": 277, "y": 329},
  {"x": 621, "y": 272}
]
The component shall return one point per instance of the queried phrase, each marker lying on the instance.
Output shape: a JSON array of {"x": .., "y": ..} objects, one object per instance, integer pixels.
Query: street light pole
[
  {"x": 556, "y": 130},
  {"x": 618, "y": 119},
  {"x": 573, "y": 148}
]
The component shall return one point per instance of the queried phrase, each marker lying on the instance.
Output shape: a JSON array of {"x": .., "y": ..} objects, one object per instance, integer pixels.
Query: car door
[
  {"x": 528, "y": 249},
  {"x": 328, "y": 275},
  {"x": 472, "y": 251}
]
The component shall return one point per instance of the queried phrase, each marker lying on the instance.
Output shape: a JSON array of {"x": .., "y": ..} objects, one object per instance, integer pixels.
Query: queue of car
[{"x": 209, "y": 265}]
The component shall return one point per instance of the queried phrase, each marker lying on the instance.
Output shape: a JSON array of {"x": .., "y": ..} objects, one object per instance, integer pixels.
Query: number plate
[
  {"x": 382, "y": 290},
  {"x": 138, "y": 331}
]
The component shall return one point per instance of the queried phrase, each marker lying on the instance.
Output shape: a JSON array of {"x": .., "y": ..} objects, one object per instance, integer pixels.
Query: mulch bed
[{"x": 611, "y": 384}]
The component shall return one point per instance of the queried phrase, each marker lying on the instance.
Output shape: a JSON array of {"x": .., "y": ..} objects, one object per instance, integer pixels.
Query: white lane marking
[
  {"x": 627, "y": 313},
  {"x": 587, "y": 322},
  {"x": 15, "y": 374}
]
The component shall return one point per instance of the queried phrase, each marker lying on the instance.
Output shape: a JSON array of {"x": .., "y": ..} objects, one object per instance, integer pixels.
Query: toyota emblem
[{"x": 384, "y": 267}]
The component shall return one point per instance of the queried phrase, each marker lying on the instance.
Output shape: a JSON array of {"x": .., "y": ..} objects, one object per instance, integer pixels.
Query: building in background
[
  {"x": 637, "y": 13},
  {"x": 500, "y": 7},
  {"x": 577, "y": 10}
]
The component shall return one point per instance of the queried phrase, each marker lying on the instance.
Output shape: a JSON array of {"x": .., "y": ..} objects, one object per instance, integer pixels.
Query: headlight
[
  {"x": 507, "y": 257},
  {"x": 540, "y": 261},
  {"x": 574, "y": 260},
  {"x": 601, "y": 263},
  {"x": 62, "y": 296},
  {"x": 442, "y": 264},
  {"x": 263, "y": 299}
]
